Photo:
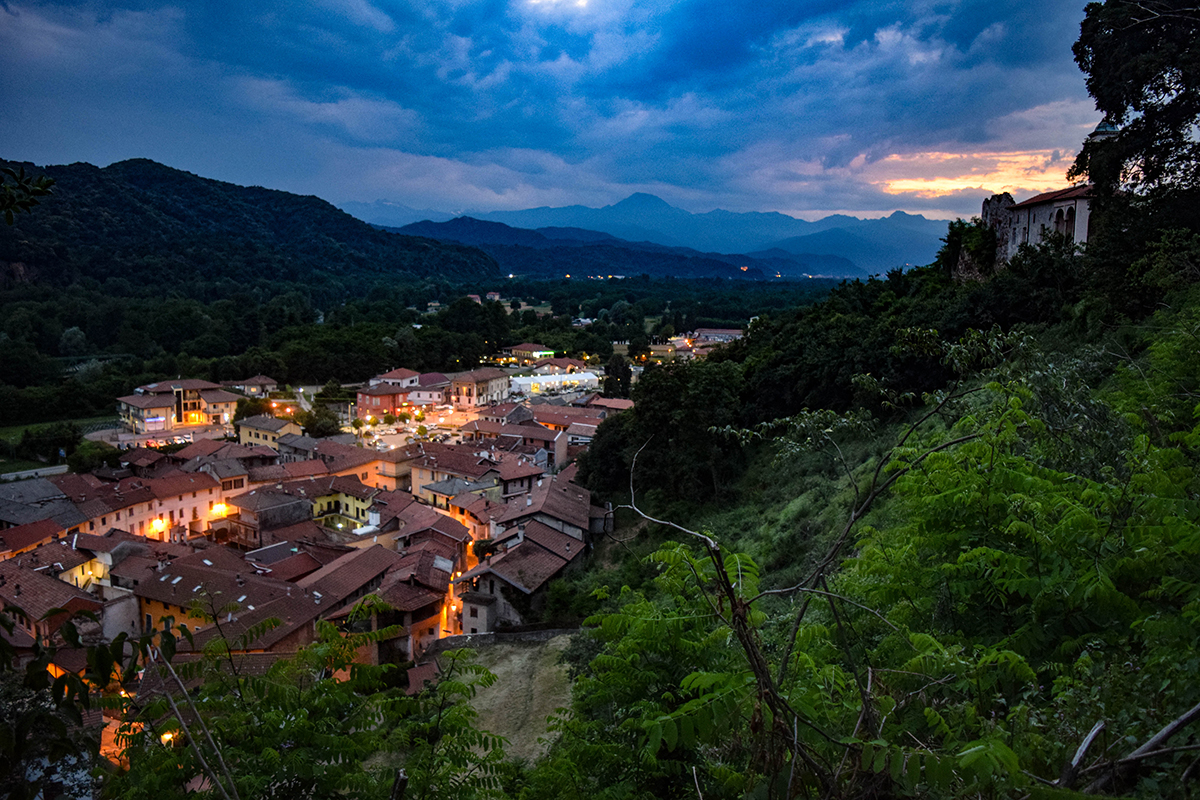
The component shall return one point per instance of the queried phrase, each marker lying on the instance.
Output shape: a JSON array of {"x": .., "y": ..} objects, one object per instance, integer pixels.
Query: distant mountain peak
[{"x": 642, "y": 201}]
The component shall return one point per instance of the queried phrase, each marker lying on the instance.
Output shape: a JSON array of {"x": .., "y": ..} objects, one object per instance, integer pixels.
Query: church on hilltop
[{"x": 1066, "y": 211}]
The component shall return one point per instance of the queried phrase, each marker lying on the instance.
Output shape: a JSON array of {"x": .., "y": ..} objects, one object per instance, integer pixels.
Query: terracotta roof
[
  {"x": 307, "y": 530},
  {"x": 529, "y": 347},
  {"x": 145, "y": 401},
  {"x": 481, "y": 375},
  {"x": 265, "y": 422},
  {"x": 556, "y": 499},
  {"x": 181, "y": 483},
  {"x": 293, "y": 612},
  {"x": 145, "y": 457},
  {"x": 184, "y": 584},
  {"x": 23, "y": 536},
  {"x": 36, "y": 593},
  {"x": 184, "y": 383},
  {"x": 257, "y": 380},
  {"x": 219, "y": 395},
  {"x": 428, "y": 379},
  {"x": 406, "y": 597},
  {"x": 527, "y": 568},
  {"x": 422, "y": 567},
  {"x": 53, "y": 558},
  {"x": 289, "y": 471},
  {"x": 385, "y": 390},
  {"x": 294, "y": 567},
  {"x": 400, "y": 374},
  {"x": 1051, "y": 197},
  {"x": 342, "y": 578},
  {"x": 614, "y": 403},
  {"x": 565, "y": 547},
  {"x": 200, "y": 447},
  {"x": 420, "y": 675}
]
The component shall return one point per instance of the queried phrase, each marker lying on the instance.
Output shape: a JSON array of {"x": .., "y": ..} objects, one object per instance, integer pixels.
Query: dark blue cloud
[{"x": 515, "y": 102}]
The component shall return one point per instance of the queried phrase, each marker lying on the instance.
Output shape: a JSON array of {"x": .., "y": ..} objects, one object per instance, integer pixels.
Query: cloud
[{"x": 824, "y": 104}]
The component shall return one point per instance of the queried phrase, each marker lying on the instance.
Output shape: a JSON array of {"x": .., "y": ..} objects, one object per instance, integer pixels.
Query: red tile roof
[
  {"x": 345, "y": 576},
  {"x": 399, "y": 374},
  {"x": 22, "y": 536},
  {"x": 1071, "y": 193}
]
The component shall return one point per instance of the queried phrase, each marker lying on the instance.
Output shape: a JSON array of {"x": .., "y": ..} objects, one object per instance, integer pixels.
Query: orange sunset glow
[{"x": 937, "y": 174}]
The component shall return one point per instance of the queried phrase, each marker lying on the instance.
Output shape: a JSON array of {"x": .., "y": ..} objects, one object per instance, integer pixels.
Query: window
[{"x": 474, "y": 612}]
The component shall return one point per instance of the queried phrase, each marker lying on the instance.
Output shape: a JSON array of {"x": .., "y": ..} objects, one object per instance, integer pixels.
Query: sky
[{"x": 806, "y": 107}]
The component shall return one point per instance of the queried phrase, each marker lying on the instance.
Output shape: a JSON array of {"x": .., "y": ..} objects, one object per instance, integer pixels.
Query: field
[{"x": 530, "y": 685}]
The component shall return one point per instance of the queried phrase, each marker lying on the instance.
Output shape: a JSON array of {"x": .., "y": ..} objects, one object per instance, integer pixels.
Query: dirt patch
[{"x": 530, "y": 685}]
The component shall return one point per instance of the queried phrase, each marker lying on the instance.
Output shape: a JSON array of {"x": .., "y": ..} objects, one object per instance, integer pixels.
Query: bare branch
[
  {"x": 804, "y": 590},
  {"x": 1151, "y": 748}
]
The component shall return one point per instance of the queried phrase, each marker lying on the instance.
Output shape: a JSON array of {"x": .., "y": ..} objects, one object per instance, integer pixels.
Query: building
[
  {"x": 265, "y": 430},
  {"x": 1066, "y": 212},
  {"x": 527, "y": 353},
  {"x": 402, "y": 378},
  {"x": 172, "y": 405},
  {"x": 258, "y": 386},
  {"x": 479, "y": 387},
  {"x": 553, "y": 383}
]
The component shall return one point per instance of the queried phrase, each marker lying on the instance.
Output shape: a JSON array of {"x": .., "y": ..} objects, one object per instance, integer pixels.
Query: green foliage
[
  {"x": 1141, "y": 63},
  {"x": 967, "y": 247},
  {"x": 320, "y": 422},
  {"x": 251, "y": 407},
  {"x": 52, "y": 443},
  {"x": 20, "y": 192}
]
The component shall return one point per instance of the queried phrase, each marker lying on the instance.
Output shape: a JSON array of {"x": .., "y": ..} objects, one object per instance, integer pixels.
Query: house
[
  {"x": 431, "y": 390},
  {"x": 508, "y": 474},
  {"x": 555, "y": 366},
  {"x": 527, "y": 353},
  {"x": 524, "y": 434},
  {"x": 252, "y": 516},
  {"x": 380, "y": 400},
  {"x": 28, "y": 595},
  {"x": 554, "y": 502},
  {"x": 265, "y": 430},
  {"x": 716, "y": 335},
  {"x": 401, "y": 378},
  {"x": 258, "y": 386},
  {"x": 530, "y": 556},
  {"x": 172, "y": 405},
  {"x": 480, "y": 387},
  {"x": 1065, "y": 211}
]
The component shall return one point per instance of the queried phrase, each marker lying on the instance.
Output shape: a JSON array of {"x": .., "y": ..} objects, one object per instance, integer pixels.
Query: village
[{"x": 457, "y": 526}]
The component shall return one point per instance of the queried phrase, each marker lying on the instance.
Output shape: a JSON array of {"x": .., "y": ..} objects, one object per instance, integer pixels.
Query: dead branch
[
  {"x": 1152, "y": 747},
  {"x": 1070, "y": 770}
]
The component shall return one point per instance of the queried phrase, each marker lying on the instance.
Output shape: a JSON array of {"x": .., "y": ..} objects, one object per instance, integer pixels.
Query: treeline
[{"x": 69, "y": 352}]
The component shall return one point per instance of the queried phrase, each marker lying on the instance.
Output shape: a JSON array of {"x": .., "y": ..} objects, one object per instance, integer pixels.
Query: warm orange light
[
  {"x": 220, "y": 509},
  {"x": 167, "y": 737},
  {"x": 158, "y": 526}
]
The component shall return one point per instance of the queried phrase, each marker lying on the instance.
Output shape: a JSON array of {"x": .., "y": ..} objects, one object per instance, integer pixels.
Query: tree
[
  {"x": 315, "y": 725},
  {"x": 1142, "y": 61},
  {"x": 251, "y": 407},
  {"x": 322, "y": 421},
  {"x": 20, "y": 192},
  {"x": 617, "y": 377}
]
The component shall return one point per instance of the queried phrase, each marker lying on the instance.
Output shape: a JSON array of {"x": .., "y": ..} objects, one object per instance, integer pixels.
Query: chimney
[
  {"x": 528, "y": 500},
  {"x": 17, "y": 591}
]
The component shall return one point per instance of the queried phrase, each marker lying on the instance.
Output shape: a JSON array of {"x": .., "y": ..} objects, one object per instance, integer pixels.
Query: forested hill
[
  {"x": 161, "y": 227},
  {"x": 554, "y": 252}
]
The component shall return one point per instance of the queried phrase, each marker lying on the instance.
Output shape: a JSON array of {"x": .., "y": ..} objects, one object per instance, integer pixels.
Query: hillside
[
  {"x": 899, "y": 239},
  {"x": 554, "y": 252},
  {"x": 160, "y": 227}
]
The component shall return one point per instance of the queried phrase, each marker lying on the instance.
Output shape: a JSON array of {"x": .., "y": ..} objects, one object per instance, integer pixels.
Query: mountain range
[
  {"x": 157, "y": 228},
  {"x": 837, "y": 245}
]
